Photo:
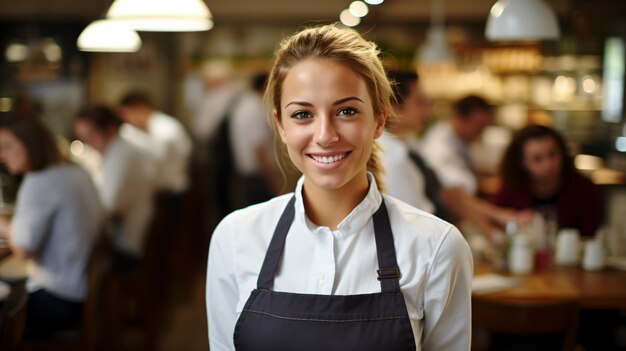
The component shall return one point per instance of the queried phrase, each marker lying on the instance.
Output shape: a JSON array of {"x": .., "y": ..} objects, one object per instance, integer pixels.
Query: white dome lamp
[
  {"x": 108, "y": 36},
  {"x": 436, "y": 49},
  {"x": 521, "y": 20},
  {"x": 162, "y": 15}
]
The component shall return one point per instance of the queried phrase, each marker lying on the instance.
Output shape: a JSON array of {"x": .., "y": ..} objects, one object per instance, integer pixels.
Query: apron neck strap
[
  {"x": 388, "y": 271},
  {"x": 275, "y": 250}
]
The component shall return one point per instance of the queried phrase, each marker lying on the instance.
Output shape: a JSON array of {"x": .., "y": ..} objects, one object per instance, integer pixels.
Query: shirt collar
[{"x": 354, "y": 222}]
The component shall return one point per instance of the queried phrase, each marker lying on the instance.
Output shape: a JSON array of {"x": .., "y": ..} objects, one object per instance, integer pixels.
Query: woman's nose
[{"x": 326, "y": 133}]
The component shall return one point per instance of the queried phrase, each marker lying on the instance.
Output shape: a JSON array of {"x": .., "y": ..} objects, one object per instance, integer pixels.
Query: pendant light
[
  {"x": 521, "y": 20},
  {"x": 435, "y": 49},
  {"x": 162, "y": 15},
  {"x": 108, "y": 36}
]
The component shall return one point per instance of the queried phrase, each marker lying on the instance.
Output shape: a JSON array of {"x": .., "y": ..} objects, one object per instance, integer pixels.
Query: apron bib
[{"x": 277, "y": 321}]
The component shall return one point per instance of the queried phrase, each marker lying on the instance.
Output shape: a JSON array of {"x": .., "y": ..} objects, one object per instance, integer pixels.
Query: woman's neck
[{"x": 328, "y": 207}]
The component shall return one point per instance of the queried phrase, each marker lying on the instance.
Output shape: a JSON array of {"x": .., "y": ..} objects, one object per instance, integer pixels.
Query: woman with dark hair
[
  {"x": 56, "y": 222},
  {"x": 538, "y": 173}
]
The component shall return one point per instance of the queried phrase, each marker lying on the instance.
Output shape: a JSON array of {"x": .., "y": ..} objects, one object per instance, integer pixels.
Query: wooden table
[{"x": 592, "y": 290}]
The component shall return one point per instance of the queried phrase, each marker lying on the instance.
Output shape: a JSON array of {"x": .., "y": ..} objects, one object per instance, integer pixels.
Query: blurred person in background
[
  {"x": 407, "y": 175},
  {"x": 446, "y": 145},
  {"x": 125, "y": 182},
  {"x": 538, "y": 173},
  {"x": 213, "y": 130},
  {"x": 220, "y": 93},
  {"x": 252, "y": 144},
  {"x": 167, "y": 140},
  {"x": 410, "y": 178},
  {"x": 56, "y": 222}
]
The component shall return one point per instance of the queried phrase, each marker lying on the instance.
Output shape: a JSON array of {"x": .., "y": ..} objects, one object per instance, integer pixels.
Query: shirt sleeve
[
  {"x": 453, "y": 173},
  {"x": 447, "y": 296},
  {"x": 222, "y": 292},
  {"x": 31, "y": 223},
  {"x": 115, "y": 172}
]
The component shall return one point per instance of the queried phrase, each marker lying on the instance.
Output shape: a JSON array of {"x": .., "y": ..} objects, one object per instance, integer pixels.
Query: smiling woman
[{"x": 335, "y": 258}]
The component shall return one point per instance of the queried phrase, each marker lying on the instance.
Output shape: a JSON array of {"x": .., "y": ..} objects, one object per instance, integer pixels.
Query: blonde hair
[{"x": 342, "y": 45}]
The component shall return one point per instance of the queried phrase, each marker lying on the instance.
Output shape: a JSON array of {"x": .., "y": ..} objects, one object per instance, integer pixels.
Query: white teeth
[{"x": 328, "y": 159}]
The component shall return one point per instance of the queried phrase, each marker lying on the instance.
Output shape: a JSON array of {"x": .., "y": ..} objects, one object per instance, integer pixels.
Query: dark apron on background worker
[{"x": 279, "y": 321}]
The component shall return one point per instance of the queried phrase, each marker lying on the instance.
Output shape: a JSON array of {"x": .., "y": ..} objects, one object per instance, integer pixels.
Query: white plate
[
  {"x": 491, "y": 282},
  {"x": 5, "y": 290}
]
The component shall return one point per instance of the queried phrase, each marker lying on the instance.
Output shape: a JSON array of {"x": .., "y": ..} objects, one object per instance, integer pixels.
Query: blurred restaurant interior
[{"x": 571, "y": 79}]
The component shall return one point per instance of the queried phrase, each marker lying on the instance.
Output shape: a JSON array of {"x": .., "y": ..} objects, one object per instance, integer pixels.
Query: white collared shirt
[
  {"x": 126, "y": 189},
  {"x": 169, "y": 144},
  {"x": 403, "y": 179},
  {"x": 434, "y": 259},
  {"x": 249, "y": 131},
  {"x": 449, "y": 157}
]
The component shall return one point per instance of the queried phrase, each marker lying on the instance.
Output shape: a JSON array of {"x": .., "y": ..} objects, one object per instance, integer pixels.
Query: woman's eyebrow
[
  {"x": 350, "y": 98},
  {"x": 301, "y": 103}
]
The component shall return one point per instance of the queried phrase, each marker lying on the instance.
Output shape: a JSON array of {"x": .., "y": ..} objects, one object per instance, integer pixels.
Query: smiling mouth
[{"x": 329, "y": 159}]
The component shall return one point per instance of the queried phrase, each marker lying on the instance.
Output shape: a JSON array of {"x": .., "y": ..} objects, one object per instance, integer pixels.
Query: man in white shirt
[
  {"x": 168, "y": 140},
  {"x": 126, "y": 180},
  {"x": 410, "y": 178},
  {"x": 252, "y": 144},
  {"x": 446, "y": 145},
  {"x": 403, "y": 178}
]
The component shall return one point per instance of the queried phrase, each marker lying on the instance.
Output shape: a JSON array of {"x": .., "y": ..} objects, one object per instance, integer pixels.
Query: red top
[{"x": 578, "y": 204}]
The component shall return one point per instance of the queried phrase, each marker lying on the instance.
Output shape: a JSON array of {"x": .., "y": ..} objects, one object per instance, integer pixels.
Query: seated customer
[
  {"x": 537, "y": 173},
  {"x": 56, "y": 222},
  {"x": 410, "y": 178},
  {"x": 126, "y": 181}
]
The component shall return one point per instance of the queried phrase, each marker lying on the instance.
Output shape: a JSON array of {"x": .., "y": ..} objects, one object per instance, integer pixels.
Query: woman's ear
[
  {"x": 279, "y": 127},
  {"x": 380, "y": 124}
]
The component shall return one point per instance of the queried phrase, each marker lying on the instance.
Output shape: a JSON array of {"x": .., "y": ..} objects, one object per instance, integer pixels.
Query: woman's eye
[
  {"x": 346, "y": 111},
  {"x": 300, "y": 115}
]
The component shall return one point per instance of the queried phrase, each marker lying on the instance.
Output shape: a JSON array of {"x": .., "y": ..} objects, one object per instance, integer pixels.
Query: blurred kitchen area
[{"x": 572, "y": 80}]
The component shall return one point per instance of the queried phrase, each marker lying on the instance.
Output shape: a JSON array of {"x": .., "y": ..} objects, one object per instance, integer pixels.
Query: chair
[
  {"x": 528, "y": 317},
  {"x": 13, "y": 317},
  {"x": 87, "y": 338}
]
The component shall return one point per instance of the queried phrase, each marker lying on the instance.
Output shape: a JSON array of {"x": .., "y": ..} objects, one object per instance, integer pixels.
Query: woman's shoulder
[
  {"x": 579, "y": 185},
  {"x": 414, "y": 221},
  {"x": 422, "y": 233},
  {"x": 255, "y": 217},
  {"x": 65, "y": 172}
]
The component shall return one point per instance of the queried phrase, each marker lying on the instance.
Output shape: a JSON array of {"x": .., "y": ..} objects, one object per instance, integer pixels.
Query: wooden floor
[{"x": 185, "y": 325}]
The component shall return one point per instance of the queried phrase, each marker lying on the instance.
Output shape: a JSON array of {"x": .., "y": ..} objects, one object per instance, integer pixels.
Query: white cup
[
  {"x": 567, "y": 242},
  {"x": 593, "y": 258},
  {"x": 521, "y": 255}
]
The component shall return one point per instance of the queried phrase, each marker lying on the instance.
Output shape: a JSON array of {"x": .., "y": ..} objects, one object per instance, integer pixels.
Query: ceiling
[
  {"x": 261, "y": 10},
  {"x": 594, "y": 15}
]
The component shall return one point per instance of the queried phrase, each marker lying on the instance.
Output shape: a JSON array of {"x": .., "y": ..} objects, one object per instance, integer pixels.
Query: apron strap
[
  {"x": 275, "y": 250},
  {"x": 388, "y": 271}
]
